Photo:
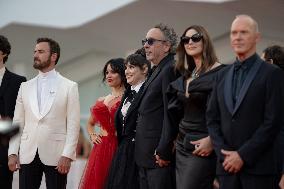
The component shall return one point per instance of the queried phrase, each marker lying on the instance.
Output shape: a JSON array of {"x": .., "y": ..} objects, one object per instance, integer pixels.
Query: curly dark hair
[
  {"x": 5, "y": 47},
  {"x": 170, "y": 35},
  {"x": 274, "y": 54}
]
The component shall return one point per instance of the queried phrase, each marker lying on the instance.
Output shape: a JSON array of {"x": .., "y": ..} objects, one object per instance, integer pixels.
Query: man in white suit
[{"x": 48, "y": 111}]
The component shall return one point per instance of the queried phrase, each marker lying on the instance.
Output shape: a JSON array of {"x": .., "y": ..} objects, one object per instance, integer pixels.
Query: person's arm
[
  {"x": 73, "y": 130},
  {"x": 14, "y": 144},
  {"x": 169, "y": 132},
  {"x": 73, "y": 123},
  {"x": 264, "y": 137},
  {"x": 213, "y": 120}
]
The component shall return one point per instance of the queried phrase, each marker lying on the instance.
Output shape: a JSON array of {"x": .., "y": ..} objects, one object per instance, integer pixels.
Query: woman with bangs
[
  {"x": 102, "y": 116},
  {"x": 188, "y": 96},
  {"x": 124, "y": 172}
]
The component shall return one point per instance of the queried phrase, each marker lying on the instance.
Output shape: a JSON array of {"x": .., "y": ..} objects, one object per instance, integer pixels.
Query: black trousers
[
  {"x": 245, "y": 181},
  {"x": 157, "y": 178},
  {"x": 6, "y": 176},
  {"x": 31, "y": 175}
]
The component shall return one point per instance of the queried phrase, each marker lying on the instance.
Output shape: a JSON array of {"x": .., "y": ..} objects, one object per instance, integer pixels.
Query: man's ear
[
  {"x": 53, "y": 57},
  {"x": 167, "y": 46}
]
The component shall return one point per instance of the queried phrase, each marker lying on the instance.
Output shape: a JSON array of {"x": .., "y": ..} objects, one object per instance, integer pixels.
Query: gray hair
[
  {"x": 170, "y": 35},
  {"x": 253, "y": 22}
]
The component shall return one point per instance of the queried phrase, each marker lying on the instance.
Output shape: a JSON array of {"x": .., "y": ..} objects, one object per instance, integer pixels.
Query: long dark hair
[{"x": 208, "y": 53}]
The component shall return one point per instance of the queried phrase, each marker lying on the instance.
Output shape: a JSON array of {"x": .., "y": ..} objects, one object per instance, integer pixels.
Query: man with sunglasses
[
  {"x": 153, "y": 153},
  {"x": 244, "y": 114}
]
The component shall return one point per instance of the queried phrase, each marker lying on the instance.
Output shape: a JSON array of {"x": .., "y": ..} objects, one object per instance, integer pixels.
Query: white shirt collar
[
  {"x": 2, "y": 71},
  {"x": 137, "y": 87},
  {"x": 47, "y": 75}
]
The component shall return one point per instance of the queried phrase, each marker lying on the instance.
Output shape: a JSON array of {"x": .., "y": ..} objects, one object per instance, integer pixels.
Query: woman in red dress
[{"x": 102, "y": 115}]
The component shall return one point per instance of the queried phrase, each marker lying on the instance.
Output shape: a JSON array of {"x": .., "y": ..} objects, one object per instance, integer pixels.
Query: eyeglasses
[
  {"x": 195, "y": 38},
  {"x": 151, "y": 41}
]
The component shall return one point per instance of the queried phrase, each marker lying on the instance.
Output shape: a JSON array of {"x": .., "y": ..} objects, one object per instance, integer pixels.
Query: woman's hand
[
  {"x": 96, "y": 138},
  {"x": 203, "y": 147}
]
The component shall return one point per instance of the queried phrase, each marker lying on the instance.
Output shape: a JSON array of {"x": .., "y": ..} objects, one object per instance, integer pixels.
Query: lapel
[
  {"x": 228, "y": 89},
  {"x": 5, "y": 81},
  {"x": 251, "y": 75},
  {"x": 151, "y": 78},
  {"x": 33, "y": 97},
  {"x": 51, "y": 95},
  {"x": 156, "y": 72}
]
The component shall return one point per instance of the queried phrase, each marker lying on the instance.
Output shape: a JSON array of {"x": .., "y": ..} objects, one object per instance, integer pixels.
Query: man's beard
[{"x": 41, "y": 65}]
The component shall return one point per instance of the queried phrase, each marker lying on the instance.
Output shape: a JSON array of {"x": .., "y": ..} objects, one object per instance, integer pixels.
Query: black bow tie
[
  {"x": 130, "y": 96},
  {"x": 239, "y": 65},
  {"x": 132, "y": 93}
]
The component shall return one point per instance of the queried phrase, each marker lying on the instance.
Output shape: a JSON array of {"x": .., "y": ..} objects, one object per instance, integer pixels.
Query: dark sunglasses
[
  {"x": 195, "y": 38},
  {"x": 150, "y": 41}
]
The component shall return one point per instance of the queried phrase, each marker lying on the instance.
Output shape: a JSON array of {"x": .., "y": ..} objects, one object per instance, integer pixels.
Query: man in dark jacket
[
  {"x": 244, "y": 114},
  {"x": 9, "y": 86},
  {"x": 153, "y": 153}
]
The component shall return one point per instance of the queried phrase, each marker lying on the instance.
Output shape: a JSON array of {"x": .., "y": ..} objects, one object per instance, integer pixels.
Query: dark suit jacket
[
  {"x": 153, "y": 115},
  {"x": 127, "y": 127},
  {"x": 250, "y": 128},
  {"x": 8, "y": 93}
]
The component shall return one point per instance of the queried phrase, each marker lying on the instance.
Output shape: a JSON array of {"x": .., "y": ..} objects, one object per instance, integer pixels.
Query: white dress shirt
[
  {"x": 44, "y": 87},
  {"x": 2, "y": 72},
  {"x": 126, "y": 104}
]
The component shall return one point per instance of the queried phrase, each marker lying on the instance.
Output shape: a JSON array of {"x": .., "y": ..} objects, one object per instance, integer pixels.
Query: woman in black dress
[
  {"x": 124, "y": 173},
  {"x": 188, "y": 96}
]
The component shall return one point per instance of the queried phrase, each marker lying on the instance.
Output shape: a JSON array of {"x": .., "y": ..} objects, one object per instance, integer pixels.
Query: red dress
[{"x": 96, "y": 170}]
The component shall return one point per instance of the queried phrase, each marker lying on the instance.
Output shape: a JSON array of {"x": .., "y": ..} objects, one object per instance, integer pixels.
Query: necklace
[
  {"x": 194, "y": 74},
  {"x": 116, "y": 96}
]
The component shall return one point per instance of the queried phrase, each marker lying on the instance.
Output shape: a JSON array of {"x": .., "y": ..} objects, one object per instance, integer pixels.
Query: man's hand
[
  {"x": 13, "y": 162},
  {"x": 64, "y": 165},
  {"x": 281, "y": 183},
  {"x": 232, "y": 162},
  {"x": 161, "y": 162}
]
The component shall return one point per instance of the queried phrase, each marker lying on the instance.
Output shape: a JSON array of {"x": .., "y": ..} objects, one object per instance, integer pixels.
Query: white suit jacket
[{"x": 55, "y": 132}]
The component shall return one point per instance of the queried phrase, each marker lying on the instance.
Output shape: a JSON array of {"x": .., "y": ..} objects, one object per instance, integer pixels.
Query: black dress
[
  {"x": 188, "y": 113},
  {"x": 123, "y": 173}
]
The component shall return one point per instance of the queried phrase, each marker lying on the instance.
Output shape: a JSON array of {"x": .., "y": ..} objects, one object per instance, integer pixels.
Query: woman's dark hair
[
  {"x": 208, "y": 53},
  {"x": 117, "y": 65},
  {"x": 141, "y": 51},
  {"x": 138, "y": 60},
  {"x": 276, "y": 54}
]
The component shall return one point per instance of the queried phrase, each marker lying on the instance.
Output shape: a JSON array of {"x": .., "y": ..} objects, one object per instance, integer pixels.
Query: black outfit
[
  {"x": 123, "y": 173},
  {"x": 151, "y": 132},
  {"x": 188, "y": 114},
  {"x": 248, "y": 126},
  {"x": 8, "y": 94}
]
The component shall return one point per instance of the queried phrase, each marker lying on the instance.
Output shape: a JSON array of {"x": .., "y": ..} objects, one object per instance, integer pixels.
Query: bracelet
[{"x": 92, "y": 134}]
